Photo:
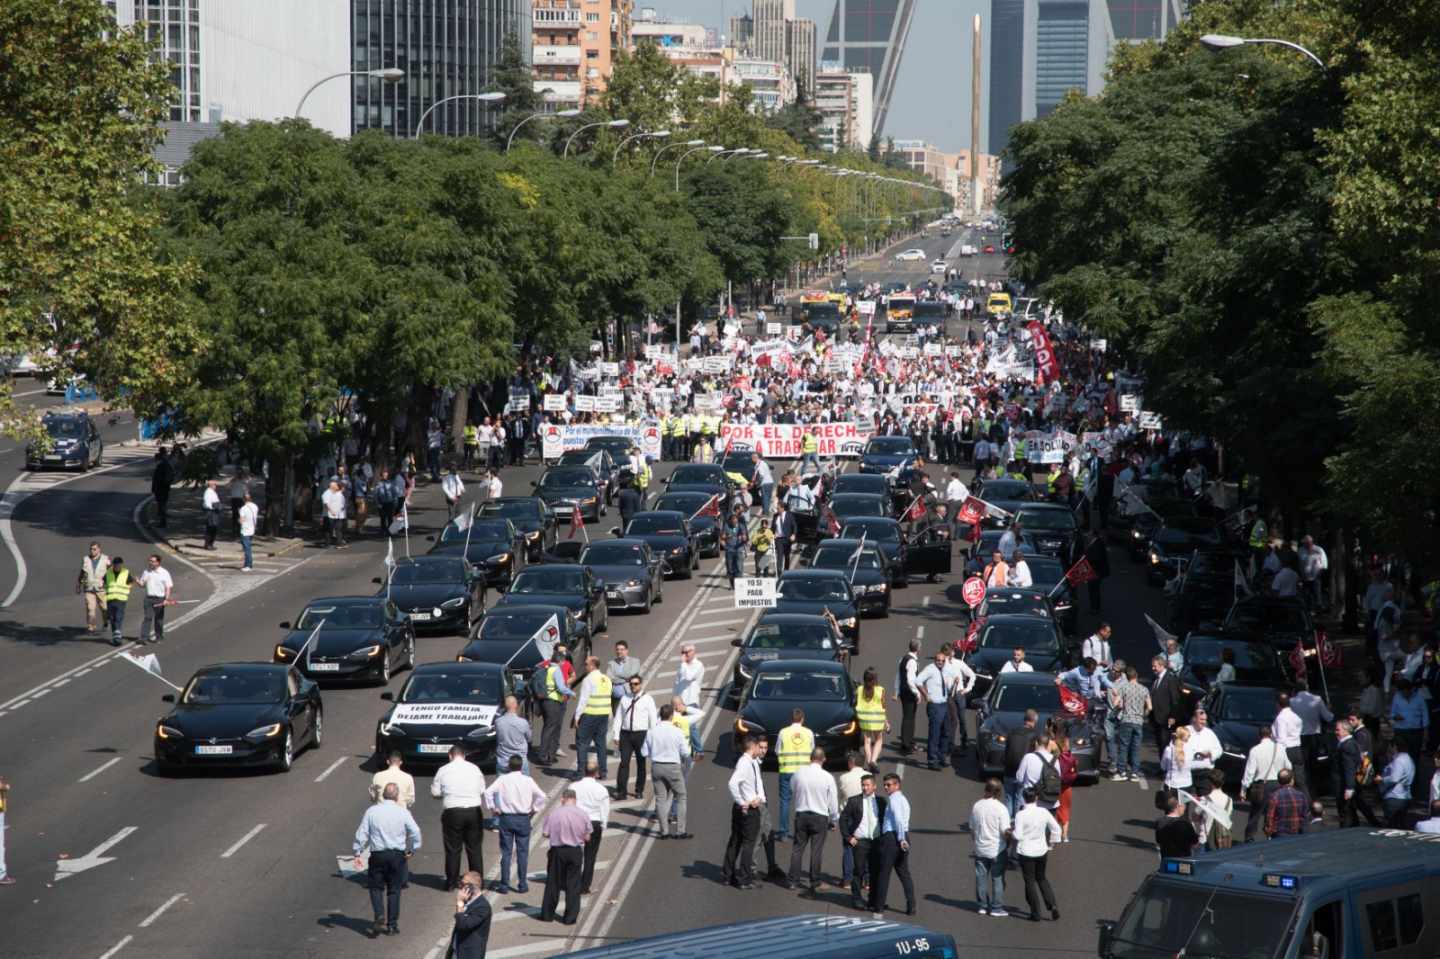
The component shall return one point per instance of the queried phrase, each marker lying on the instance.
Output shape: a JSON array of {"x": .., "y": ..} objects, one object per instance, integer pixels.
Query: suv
[{"x": 74, "y": 442}]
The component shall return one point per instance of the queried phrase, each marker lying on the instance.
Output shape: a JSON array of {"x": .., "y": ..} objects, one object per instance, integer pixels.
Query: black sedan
[
  {"x": 494, "y": 548},
  {"x": 1280, "y": 621},
  {"x": 437, "y": 594},
  {"x": 888, "y": 535},
  {"x": 1174, "y": 542},
  {"x": 706, "y": 478},
  {"x": 982, "y": 551},
  {"x": 563, "y": 488},
  {"x": 1010, "y": 495},
  {"x": 883, "y": 454},
  {"x": 1048, "y": 573},
  {"x": 239, "y": 714},
  {"x": 521, "y": 637},
  {"x": 670, "y": 538},
  {"x": 689, "y": 503},
  {"x": 601, "y": 462},
  {"x": 1205, "y": 653},
  {"x": 359, "y": 638},
  {"x": 820, "y": 687},
  {"x": 619, "y": 447},
  {"x": 1000, "y": 636},
  {"x": 871, "y": 483},
  {"x": 1053, "y": 528},
  {"x": 847, "y": 506},
  {"x": 1001, "y": 714},
  {"x": 562, "y": 584},
  {"x": 1236, "y": 711},
  {"x": 633, "y": 576},
  {"x": 1017, "y": 601},
  {"x": 531, "y": 517},
  {"x": 869, "y": 573},
  {"x": 443, "y": 705},
  {"x": 782, "y": 636},
  {"x": 1141, "y": 526},
  {"x": 816, "y": 592}
]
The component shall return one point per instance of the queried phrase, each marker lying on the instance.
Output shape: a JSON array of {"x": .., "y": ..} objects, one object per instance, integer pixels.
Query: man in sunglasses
[
  {"x": 634, "y": 717},
  {"x": 472, "y": 920}
]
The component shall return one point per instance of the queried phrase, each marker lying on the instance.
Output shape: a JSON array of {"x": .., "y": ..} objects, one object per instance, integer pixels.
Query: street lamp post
[
  {"x": 612, "y": 124},
  {"x": 657, "y": 135},
  {"x": 1215, "y": 42},
  {"x": 730, "y": 155},
  {"x": 389, "y": 75},
  {"x": 535, "y": 116},
  {"x": 672, "y": 146},
  {"x": 482, "y": 97},
  {"x": 714, "y": 151}
]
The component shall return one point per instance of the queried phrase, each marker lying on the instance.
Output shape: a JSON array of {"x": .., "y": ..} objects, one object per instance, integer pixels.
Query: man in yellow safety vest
[
  {"x": 117, "y": 593},
  {"x": 793, "y": 747},
  {"x": 592, "y": 715}
]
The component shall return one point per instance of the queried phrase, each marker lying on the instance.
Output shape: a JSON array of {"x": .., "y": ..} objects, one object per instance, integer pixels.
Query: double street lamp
[
  {"x": 714, "y": 151},
  {"x": 388, "y": 74},
  {"x": 612, "y": 124},
  {"x": 657, "y": 135},
  {"x": 482, "y": 97},
  {"x": 672, "y": 146},
  {"x": 537, "y": 116},
  {"x": 726, "y": 154}
]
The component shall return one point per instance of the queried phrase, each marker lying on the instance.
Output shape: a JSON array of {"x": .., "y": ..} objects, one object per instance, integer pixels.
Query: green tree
[
  {"x": 799, "y": 120},
  {"x": 514, "y": 78}
]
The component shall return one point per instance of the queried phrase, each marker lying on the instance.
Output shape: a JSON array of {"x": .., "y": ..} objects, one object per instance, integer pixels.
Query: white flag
[
  {"x": 546, "y": 636},
  {"x": 150, "y": 664},
  {"x": 1161, "y": 636},
  {"x": 1242, "y": 586},
  {"x": 1209, "y": 808},
  {"x": 401, "y": 523},
  {"x": 463, "y": 520},
  {"x": 389, "y": 553}
]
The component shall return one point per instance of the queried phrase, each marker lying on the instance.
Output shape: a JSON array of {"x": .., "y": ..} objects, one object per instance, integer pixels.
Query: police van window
[
  {"x": 1323, "y": 936},
  {"x": 1383, "y": 933},
  {"x": 1412, "y": 918}
]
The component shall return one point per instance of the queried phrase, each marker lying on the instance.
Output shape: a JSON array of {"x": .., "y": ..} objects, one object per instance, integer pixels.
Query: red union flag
[
  {"x": 711, "y": 508},
  {"x": 972, "y": 511},
  {"x": 577, "y": 522},
  {"x": 1072, "y": 702},
  {"x": 1081, "y": 572},
  {"x": 1047, "y": 367},
  {"x": 834, "y": 524},
  {"x": 917, "y": 510}
]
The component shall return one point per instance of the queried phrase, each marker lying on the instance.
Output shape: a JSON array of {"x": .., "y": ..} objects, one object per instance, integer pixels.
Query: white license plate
[
  {"x": 324, "y": 667},
  {"x": 420, "y": 617},
  {"x": 612, "y": 594},
  {"x": 214, "y": 750},
  {"x": 51, "y": 457},
  {"x": 434, "y": 747}
]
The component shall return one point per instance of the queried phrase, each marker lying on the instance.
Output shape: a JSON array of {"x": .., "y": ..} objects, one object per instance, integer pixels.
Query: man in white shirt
[
  {"x": 1019, "y": 574},
  {"x": 961, "y": 679},
  {"x": 453, "y": 487},
  {"x": 594, "y": 801},
  {"x": 515, "y": 798},
  {"x": 1313, "y": 566},
  {"x": 817, "y": 809},
  {"x": 249, "y": 518},
  {"x": 392, "y": 773},
  {"x": 333, "y": 502},
  {"x": 956, "y": 493},
  {"x": 1032, "y": 770},
  {"x": 634, "y": 718},
  {"x": 1016, "y": 663},
  {"x": 689, "y": 674},
  {"x": 1009, "y": 540},
  {"x": 1097, "y": 646},
  {"x": 1263, "y": 765},
  {"x": 1035, "y": 832},
  {"x": 1315, "y": 717},
  {"x": 461, "y": 786},
  {"x": 1287, "y": 727},
  {"x": 989, "y": 831},
  {"x": 667, "y": 748},
  {"x": 747, "y": 796},
  {"x": 210, "y": 503},
  {"x": 497, "y": 488},
  {"x": 158, "y": 589},
  {"x": 1204, "y": 747},
  {"x": 908, "y": 695}
]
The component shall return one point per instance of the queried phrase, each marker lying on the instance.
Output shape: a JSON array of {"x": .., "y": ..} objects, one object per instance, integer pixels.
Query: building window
[
  {"x": 592, "y": 54},
  {"x": 592, "y": 17},
  {"x": 592, "y": 36}
]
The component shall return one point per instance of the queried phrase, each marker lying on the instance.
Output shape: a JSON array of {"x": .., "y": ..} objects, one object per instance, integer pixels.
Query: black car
[
  {"x": 1236, "y": 711},
  {"x": 563, "y": 488},
  {"x": 1000, "y": 636},
  {"x": 443, "y": 705},
  {"x": 820, "y": 687},
  {"x": 239, "y": 714},
  {"x": 847, "y": 506},
  {"x": 72, "y": 442},
  {"x": 437, "y": 594},
  {"x": 359, "y": 638},
  {"x": 531, "y": 517},
  {"x": 521, "y": 637},
  {"x": 1206, "y": 590},
  {"x": 872, "y": 483},
  {"x": 1053, "y": 529},
  {"x": 782, "y": 636},
  {"x": 1283, "y": 622},
  {"x": 983, "y": 550},
  {"x": 670, "y": 538},
  {"x": 562, "y": 584},
  {"x": 1001, "y": 714},
  {"x": 619, "y": 447},
  {"x": 633, "y": 576},
  {"x": 883, "y": 454},
  {"x": 603, "y": 465},
  {"x": 909, "y": 555},
  {"x": 1009, "y": 495},
  {"x": 1174, "y": 542},
  {"x": 494, "y": 548},
  {"x": 816, "y": 592},
  {"x": 1017, "y": 601},
  {"x": 689, "y": 503},
  {"x": 869, "y": 573},
  {"x": 1048, "y": 573},
  {"x": 706, "y": 478},
  {"x": 1136, "y": 529},
  {"x": 1255, "y": 663},
  {"x": 931, "y": 313}
]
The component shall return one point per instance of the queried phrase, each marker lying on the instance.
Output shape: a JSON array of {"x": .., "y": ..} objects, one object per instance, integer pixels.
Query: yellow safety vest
[
  {"x": 1019, "y": 449},
  {"x": 599, "y": 702},
  {"x": 808, "y": 445},
  {"x": 1051, "y": 481},
  {"x": 1257, "y": 535},
  {"x": 551, "y": 690},
  {"x": 871, "y": 712},
  {"x": 681, "y": 723},
  {"x": 644, "y": 477},
  {"x": 689, "y": 424},
  {"x": 796, "y": 745},
  {"x": 472, "y": 436},
  {"x": 707, "y": 425},
  {"x": 117, "y": 588},
  {"x": 762, "y": 539}
]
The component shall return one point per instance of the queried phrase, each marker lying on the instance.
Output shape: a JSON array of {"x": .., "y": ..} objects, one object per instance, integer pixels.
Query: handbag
[{"x": 1255, "y": 795}]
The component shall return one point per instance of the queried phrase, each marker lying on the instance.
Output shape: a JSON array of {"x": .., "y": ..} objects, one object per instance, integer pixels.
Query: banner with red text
[
  {"x": 1046, "y": 365},
  {"x": 787, "y": 440}
]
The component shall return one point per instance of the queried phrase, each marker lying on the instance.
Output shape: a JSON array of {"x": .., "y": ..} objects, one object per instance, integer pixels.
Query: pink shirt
[
  {"x": 567, "y": 826},
  {"x": 515, "y": 793}
]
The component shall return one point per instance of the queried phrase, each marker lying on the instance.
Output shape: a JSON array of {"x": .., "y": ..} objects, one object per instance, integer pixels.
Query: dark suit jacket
[
  {"x": 1349, "y": 764},
  {"x": 853, "y": 812},
  {"x": 472, "y": 931},
  {"x": 784, "y": 527},
  {"x": 1165, "y": 696}
]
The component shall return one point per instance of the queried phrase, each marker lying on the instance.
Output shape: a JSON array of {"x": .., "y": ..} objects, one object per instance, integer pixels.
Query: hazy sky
[{"x": 932, "y": 92}]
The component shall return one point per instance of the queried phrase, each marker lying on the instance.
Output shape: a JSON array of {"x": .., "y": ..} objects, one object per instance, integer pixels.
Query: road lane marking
[
  {"x": 919, "y": 632},
  {"x": 103, "y": 766},
  {"x": 17, "y": 703},
  {"x": 900, "y": 771},
  {"x": 148, "y": 920},
  {"x": 720, "y": 622},
  {"x": 710, "y": 639},
  {"x": 65, "y": 868},
  {"x": 117, "y": 947},
  {"x": 1143, "y": 784},
  {"x": 331, "y": 768},
  {"x": 925, "y": 601},
  {"x": 242, "y": 841}
]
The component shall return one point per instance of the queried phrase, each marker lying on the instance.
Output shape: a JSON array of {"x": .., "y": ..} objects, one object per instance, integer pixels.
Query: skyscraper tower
[{"x": 975, "y": 116}]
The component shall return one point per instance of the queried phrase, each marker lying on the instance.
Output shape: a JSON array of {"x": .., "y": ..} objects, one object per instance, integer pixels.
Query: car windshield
[
  {"x": 1018, "y": 697},
  {"x": 1039, "y": 637},
  {"x": 243, "y": 686},
  {"x": 1007, "y": 489},
  {"x": 857, "y": 505},
  {"x": 514, "y": 509},
  {"x": 616, "y": 445},
  {"x": 613, "y": 554},
  {"x": 457, "y": 687},
  {"x": 1044, "y": 571},
  {"x": 687, "y": 503},
  {"x": 1280, "y": 619},
  {"x": 929, "y": 309},
  {"x": 859, "y": 483},
  {"x": 571, "y": 476},
  {"x": 890, "y": 446},
  {"x": 800, "y": 684},
  {"x": 1252, "y": 660},
  {"x": 1046, "y": 519},
  {"x": 65, "y": 429},
  {"x": 886, "y": 532},
  {"x": 1246, "y": 705},
  {"x": 408, "y": 574},
  {"x": 543, "y": 580},
  {"x": 901, "y": 303},
  {"x": 812, "y": 589},
  {"x": 481, "y": 531},
  {"x": 654, "y": 526},
  {"x": 1008, "y": 602},
  {"x": 520, "y": 624},
  {"x": 356, "y": 616},
  {"x": 1190, "y": 525},
  {"x": 697, "y": 474},
  {"x": 1169, "y": 919},
  {"x": 580, "y": 458},
  {"x": 836, "y": 557},
  {"x": 792, "y": 636}
]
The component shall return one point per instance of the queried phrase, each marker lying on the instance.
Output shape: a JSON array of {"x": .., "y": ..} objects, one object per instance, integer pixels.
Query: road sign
[
  {"x": 973, "y": 592},
  {"x": 754, "y": 592}
]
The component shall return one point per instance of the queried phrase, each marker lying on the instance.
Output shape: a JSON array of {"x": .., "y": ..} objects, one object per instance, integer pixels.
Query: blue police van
[
  {"x": 808, "y": 936},
  {"x": 1343, "y": 894}
]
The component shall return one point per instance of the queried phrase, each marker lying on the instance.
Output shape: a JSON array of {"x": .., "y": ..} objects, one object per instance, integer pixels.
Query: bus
[
  {"x": 1343, "y": 894},
  {"x": 807, "y": 936},
  {"x": 900, "y": 312}
]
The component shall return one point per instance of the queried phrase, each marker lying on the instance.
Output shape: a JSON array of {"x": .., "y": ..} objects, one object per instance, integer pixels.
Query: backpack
[
  {"x": 1069, "y": 769},
  {"x": 1050, "y": 781},
  {"x": 537, "y": 687},
  {"x": 1365, "y": 773}
]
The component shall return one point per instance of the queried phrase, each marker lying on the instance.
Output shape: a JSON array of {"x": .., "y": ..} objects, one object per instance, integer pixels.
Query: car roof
[
  {"x": 513, "y": 499},
  {"x": 1046, "y": 508},
  {"x": 428, "y": 559},
  {"x": 858, "y": 495},
  {"x": 247, "y": 667},
  {"x": 1015, "y": 619},
  {"x": 559, "y": 567},
  {"x": 622, "y": 540},
  {"x": 807, "y": 936},
  {"x": 346, "y": 601},
  {"x": 1018, "y": 591},
  {"x": 819, "y": 665},
  {"x": 516, "y": 608},
  {"x": 455, "y": 666},
  {"x": 802, "y": 618},
  {"x": 811, "y": 574},
  {"x": 666, "y": 513},
  {"x": 1030, "y": 678},
  {"x": 872, "y": 520}
]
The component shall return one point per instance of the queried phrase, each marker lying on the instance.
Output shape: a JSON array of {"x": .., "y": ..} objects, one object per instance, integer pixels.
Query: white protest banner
[
  {"x": 695, "y": 364},
  {"x": 518, "y": 404},
  {"x": 596, "y": 346},
  {"x": 1129, "y": 403},
  {"x": 954, "y": 351},
  {"x": 866, "y": 307},
  {"x": 773, "y": 329},
  {"x": 609, "y": 369},
  {"x": 663, "y": 395},
  {"x": 934, "y": 349},
  {"x": 556, "y": 439},
  {"x": 1045, "y": 449},
  {"x": 909, "y": 353},
  {"x": 554, "y": 402},
  {"x": 610, "y": 389},
  {"x": 716, "y": 364},
  {"x": 1098, "y": 346},
  {"x": 443, "y": 714},
  {"x": 1149, "y": 420},
  {"x": 658, "y": 351},
  {"x": 708, "y": 402},
  {"x": 754, "y": 592},
  {"x": 584, "y": 403},
  {"x": 608, "y": 404},
  {"x": 786, "y": 440}
]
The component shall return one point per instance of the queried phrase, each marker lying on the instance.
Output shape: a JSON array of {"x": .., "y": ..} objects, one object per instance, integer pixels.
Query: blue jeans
[
  {"x": 697, "y": 748},
  {"x": 847, "y": 861},
  {"x": 782, "y": 828},
  {"x": 245, "y": 543},
  {"x": 515, "y": 832},
  {"x": 1127, "y": 749},
  {"x": 810, "y": 459},
  {"x": 734, "y": 563},
  {"x": 767, "y": 496},
  {"x": 937, "y": 733},
  {"x": 590, "y": 730},
  {"x": 990, "y": 881},
  {"x": 1112, "y": 730},
  {"x": 1012, "y": 796},
  {"x": 116, "y": 611}
]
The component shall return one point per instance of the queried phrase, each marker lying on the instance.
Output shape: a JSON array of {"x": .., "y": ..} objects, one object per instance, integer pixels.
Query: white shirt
[
  {"x": 497, "y": 489},
  {"x": 989, "y": 821},
  {"x": 1312, "y": 710},
  {"x": 452, "y": 486},
  {"x": 869, "y": 825},
  {"x": 1097, "y": 649},
  {"x": 636, "y": 714},
  {"x": 745, "y": 781},
  {"x": 687, "y": 681},
  {"x": 1177, "y": 774},
  {"x": 905, "y": 676},
  {"x": 587, "y": 689},
  {"x": 334, "y": 501},
  {"x": 210, "y": 499},
  {"x": 1019, "y": 575},
  {"x": 1287, "y": 727},
  {"x": 393, "y": 774},
  {"x": 249, "y": 516},
  {"x": 1266, "y": 759},
  {"x": 763, "y": 474},
  {"x": 1313, "y": 562},
  {"x": 958, "y": 676},
  {"x": 1008, "y": 542},
  {"x": 460, "y": 783},
  {"x": 593, "y": 798},
  {"x": 1286, "y": 582},
  {"x": 813, "y": 790},
  {"x": 1010, "y": 667},
  {"x": 1035, "y": 831},
  {"x": 1203, "y": 741},
  {"x": 956, "y": 491},
  {"x": 848, "y": 783},
  {"x": 1032, "y": 767},
  {"x": 156, "y": 582},
  {"x": 665, "y": 743}
]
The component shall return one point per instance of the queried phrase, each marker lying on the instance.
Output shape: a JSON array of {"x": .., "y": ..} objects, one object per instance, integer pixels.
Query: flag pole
[
  {"x": 469, "y": 529},
  {"x": 858, "y": 550},
  {"x": 405, "y": 515},
  {"x": 130, "y": 658}
]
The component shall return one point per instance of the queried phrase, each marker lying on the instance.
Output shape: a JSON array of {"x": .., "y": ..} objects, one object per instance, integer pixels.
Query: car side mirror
[
  {"x": 614, "y": 531},
  {"x": 388, "y": 696},
  {"x": 285, "y": 624},
  {"x": 1107, "y": 933},
  {"x": 168, "y": 698},
  {"x": 378, "y": 581},
  {"x": 737, "y": 641},
  {"x": 430, "y": 539}
]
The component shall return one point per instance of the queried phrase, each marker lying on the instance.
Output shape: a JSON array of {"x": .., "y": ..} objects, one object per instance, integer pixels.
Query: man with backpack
[
  {"x": 548, "y": 688},
  {"x": 1040, "y": 771}
]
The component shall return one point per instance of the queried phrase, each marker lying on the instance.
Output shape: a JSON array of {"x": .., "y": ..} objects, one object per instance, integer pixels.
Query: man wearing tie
[
  {"x": 860, "y": 825},
  {"x": 472, "y": 920},
  {"x": 633, "y": 720},
  {"x": 783, "y": 526},
  {"x": 893, "y": 850},
  {"x": 747, "y": 796}
]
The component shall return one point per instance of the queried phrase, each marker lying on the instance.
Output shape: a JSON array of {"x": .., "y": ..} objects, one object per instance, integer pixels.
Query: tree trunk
[
  {"x": 274, "y": 518},
  {"x": 1341, "y": 589},
  {"x": 459, "y": 415}
]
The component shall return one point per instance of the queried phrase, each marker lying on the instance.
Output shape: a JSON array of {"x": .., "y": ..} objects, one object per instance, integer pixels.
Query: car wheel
[
  {"x": 885, "y": 607},
  {"x": 317, "y": 728},
  {"x": 287, "y": 753},
  {"x": 410, "y": 652},
  {"x": 649, "y": 602},
  {"x": 385, "y": 666}
]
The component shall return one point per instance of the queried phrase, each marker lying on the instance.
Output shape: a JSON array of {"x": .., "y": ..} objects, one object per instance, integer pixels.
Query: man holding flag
[{"x": 1092, "y": 567}]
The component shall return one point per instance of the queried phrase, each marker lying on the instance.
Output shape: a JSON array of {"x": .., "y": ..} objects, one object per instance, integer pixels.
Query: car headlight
[
  {"x": 848, "y": 623},
  {"x": 878, "y": 588},
  {"x": 843, "y": 729},
  {"x": 676, "y": 551},
  {"x": 632, "y": 582},
  {"x": 532, "y": 536},
  {"x": 1135, "y": 534},
  {"x": 741, "y": 726},
  {"x": 262, "y": 733},
  {"x": 999, "y": 737},
  {"x": 168, "y": 732},
  {"x": 588, "y": 501},
  {"x": 1079, "y": 741},
  {"x": 483, "y": 732},
  {"x": 386, "y": 729},
  {"x": 499, "y": 558},
  {"x": 1154, "y": 557},
  {"x": 283, "y": 653},
  {"x": 448, "y": 604},
  {"x": 367, "y": 652}
]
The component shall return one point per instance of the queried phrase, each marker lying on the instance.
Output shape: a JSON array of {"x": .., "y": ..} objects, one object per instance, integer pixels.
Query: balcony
[
  {"x": 559, "y": 91},
  {"x": 561, "y": 55},
  {"x": 563, "y": 18}
]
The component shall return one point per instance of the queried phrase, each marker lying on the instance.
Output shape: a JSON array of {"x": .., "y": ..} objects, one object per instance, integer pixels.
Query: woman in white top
[{"x": 1175, "y": 764}]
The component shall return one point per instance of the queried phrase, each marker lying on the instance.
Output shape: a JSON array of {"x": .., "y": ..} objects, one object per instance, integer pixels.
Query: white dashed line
[
  {"x": 710, "y": 639},
  {"x": 332, "y": 767},
  {"x": 163, "y": 906},
  {"x": 1143, "y": 784},
  {"x": 116, "y": 948},
  {"x": 719, "y": 622},
  {"x": 43, "y": 692},
  {"x": 84, "y": 671},
  {"x": 61, "y": 683},
  {"x": 925, "y": 601},
  {"x": 919, "y": 632},
  {"x": 103, "y": 766},
  {"x": 242, "y": 841},
  {"x": 18, "y": 703}
]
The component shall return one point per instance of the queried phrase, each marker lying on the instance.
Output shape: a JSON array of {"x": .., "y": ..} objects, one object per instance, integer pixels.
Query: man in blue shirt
[
  {"x": 893, "y": 850},
  {"x": 1409, "y": 716},
  {"x": 1395, "y": 785},
  {"x": 392, "y": 836}
]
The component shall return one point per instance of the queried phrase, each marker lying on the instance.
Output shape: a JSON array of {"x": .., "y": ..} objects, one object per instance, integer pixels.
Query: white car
[
  {"x": 937, "y": 266},
  {"x": 906, "y": 256}
]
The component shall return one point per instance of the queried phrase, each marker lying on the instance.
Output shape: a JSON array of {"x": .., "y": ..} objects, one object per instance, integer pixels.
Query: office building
[
  {"x": 742, "y": 33},
  {"x": 1133, "y": 20},
  {"x": 924, "y": 158},
  {"x": 870, "y": 35},
  {"x": 575, "y": 45},
  {"x": 846, "y": 103},
  {"x": 668, "y": 35},
  {"x": 771, "y": 18},
  {"x": 770, "y": 83},
  {"x": 800, "y": 54}
]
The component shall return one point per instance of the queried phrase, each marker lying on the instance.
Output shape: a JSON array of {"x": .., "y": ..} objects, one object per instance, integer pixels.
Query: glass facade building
[
  {"x": 870, "y": 35},
  {"x": 1061, "y": 39}
]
